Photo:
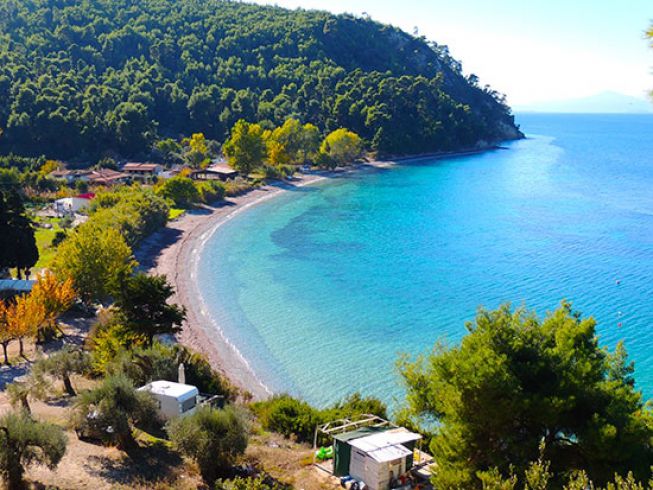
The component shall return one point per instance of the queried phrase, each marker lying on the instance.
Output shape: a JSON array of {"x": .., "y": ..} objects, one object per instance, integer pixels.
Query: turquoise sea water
[{"x": 322, "y": 287}]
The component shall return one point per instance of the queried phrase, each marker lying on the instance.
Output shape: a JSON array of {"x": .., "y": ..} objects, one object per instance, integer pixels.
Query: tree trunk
[
  {"x": 25, "y": 404},
  {"x": 4, "y": 350},
  {"x": 21, "y": 352},
  {"x": 68, "y": 386},
  {"x": 126, "y": 441}
]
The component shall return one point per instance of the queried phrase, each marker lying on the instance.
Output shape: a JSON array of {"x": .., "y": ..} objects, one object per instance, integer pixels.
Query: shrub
[
  {"x": 211, "y": 191},
  {"x": 213, "y": 438},
  {"x": 288, "y": 416},
  {"x": 160, "y": 362},
  {"x": 24, "y": 441},
  {"x": 260, "y": 483},
  {"x": 112, "y": 408},
  {"x": 179, "y": 190},
  {"x": 107, "y": 339}
]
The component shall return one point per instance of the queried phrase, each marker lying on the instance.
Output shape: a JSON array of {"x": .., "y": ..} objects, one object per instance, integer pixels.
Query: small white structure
[
  {"x": 174, "y": 399},
  {"x": 70, "y": 205},
  {"x": 378, "y": 458}
]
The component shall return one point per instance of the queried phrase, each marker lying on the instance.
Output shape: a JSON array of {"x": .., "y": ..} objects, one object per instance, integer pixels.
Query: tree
[
  {"x": 213, "y": 438},
  {"x": 341, "y": 147},
  {"x": 246, "y": 147},
  {"x": 63, "y": 364},
  {"x": 32, "y": 386},
  {"x": 196, "y": 149},
  {"x": 17, "y": 242},
  {"x": 516, "y": 381},
  {"x": 95, "y": 259},
  {"x": 24, "y": 318},
  {"x": 113, "y": 407},
  {"x": 7, "y": 333},
  {"x": 143, "y": 303},
  {"x": 180, "y": 190},
  {"x": 55, "y": 296},
  {"x": 24, "y": 441}
]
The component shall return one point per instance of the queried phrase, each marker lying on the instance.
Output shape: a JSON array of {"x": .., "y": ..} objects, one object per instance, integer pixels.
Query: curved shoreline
[
  {"x": 175, "y": 251},
  {"x": 179, "y": 259}
]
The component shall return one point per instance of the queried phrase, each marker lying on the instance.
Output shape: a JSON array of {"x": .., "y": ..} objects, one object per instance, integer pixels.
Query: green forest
[{"x": 82, "y": 80}]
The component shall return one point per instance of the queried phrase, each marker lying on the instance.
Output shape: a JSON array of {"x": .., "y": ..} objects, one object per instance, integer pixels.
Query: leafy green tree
[
  {"x": 143, "y": 303},
  {"x": 95, "y": 259},
  {"x": 516, "y": 381},
  {"x": 62, "y": 364},
  {"x": 113, "y": 408},
  {"x": 24, "y": 441},
  {"x": 341, "y": 147},
  {"x": 180, "y": 190},
  {"x": 168, "y": 150},
  {"x": 213, "y": 438},
  {"x": 245, "y": 148},
  {"x": 17, "y": 242}
]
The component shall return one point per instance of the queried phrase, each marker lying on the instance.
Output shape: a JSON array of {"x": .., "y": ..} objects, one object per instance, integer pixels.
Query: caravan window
[{"x": 188, "y": 404}]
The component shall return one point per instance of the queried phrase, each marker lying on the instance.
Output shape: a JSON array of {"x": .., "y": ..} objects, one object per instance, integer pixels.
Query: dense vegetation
[
  {"x": 78, "y": 79},
  {"x": 518, "y": 388}
]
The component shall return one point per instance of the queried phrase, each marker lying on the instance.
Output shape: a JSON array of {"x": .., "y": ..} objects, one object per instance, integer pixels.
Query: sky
[{"x": 531, "y": 50}]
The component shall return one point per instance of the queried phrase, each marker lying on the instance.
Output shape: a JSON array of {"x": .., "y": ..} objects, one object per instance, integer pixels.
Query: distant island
[
  {"x": 83, "y": 81},
  {"x": 603, "y": 103}
]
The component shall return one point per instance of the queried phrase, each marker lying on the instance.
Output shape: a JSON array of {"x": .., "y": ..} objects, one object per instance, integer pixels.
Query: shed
[
  {"x": 174, "y": 399},
  {"x": 342, "y": 448},
  {"x": 378, "y": 458}
]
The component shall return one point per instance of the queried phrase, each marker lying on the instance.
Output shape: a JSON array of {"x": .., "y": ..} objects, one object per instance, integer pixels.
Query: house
[
  {"x": 219, "y": 171},
  {"x": 143, "y": 171},
  {"x": 70, "y": 176},
  {"x": 174, "y": 399},
  {"x": 71, "y": 205},
  {"x": 106, "y": 176}
]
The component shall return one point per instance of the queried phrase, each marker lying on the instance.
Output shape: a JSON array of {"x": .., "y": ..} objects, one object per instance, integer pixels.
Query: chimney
[{"x": 181, "y": 377}]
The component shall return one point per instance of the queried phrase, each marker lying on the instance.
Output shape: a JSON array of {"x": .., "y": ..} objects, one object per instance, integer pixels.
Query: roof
[
  {"x": 21, "y": 286},
  {"x": 105, "y": 175},
  {"x": 220, "y": 168},
  {"x": 387, "y": 445},
  {"x": 88, "y": 195},
  {"x": 358, "y": 433},
  {"x": 169, "y": 388},
  {"x": 140, "y": 167}
]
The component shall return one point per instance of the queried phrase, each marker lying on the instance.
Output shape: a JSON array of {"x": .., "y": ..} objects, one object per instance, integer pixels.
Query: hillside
[{"x": 81, "y": 78}]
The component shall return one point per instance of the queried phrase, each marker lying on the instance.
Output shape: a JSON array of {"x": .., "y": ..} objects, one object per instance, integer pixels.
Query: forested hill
[{"x": 80, "y": 78}]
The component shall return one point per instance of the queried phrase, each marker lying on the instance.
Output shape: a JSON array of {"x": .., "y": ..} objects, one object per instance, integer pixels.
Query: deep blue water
[{"x": 322, "y": 288}]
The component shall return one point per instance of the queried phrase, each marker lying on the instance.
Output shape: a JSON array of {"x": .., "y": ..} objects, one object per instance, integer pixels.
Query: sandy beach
[{"x": 175, "y": 251}]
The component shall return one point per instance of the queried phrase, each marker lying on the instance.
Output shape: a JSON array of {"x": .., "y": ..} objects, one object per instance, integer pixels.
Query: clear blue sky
[{"x": 531, "y": 50}]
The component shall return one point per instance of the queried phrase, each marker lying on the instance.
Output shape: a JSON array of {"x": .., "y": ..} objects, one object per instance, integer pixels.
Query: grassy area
[
  {"x": 175, "y": 213},
  {"x": 44, "y": 238}
]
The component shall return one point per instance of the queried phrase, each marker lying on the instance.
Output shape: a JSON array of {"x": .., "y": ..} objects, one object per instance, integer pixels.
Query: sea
[{"x": 324, "y": 287}]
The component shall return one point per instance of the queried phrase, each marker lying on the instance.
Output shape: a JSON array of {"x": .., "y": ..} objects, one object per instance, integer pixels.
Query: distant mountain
[
  {"x": 603, "y": 103},
  {"x": 79, "y": 79}
]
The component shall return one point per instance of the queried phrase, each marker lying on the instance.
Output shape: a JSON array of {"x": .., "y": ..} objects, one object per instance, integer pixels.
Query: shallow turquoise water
[{"x": 322, "y": 288}]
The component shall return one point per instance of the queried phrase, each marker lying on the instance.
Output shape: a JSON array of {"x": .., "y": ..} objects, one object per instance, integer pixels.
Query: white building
[
  {"x": 174, "y": 399},
  {"x": 70, "y": 205},
  {"x": 379, "y": 458}
]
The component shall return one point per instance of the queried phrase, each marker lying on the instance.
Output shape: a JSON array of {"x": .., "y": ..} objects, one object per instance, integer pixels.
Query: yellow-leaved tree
[
  {"x": 6, "y": 335},
  {"x": 24, "y": 318},
  {"x": 56, "y": 296}
]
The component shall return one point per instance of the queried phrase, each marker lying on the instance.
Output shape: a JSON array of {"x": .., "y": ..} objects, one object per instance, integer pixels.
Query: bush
[
  {"x": 112, "y": 408},
  {"x": 181, "y": 191},
  {"x": 24, "y": 441},
  {"x": 211, "y": 191},
  {"x": 160, "y": 362},
  {"x": 288, "y": 416},
  {"x": 107, "y": 339},
  {"x": 292, "y": 417},
  {"x": 260, "y": 483},
  {"x": 213, "y": 438}
]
